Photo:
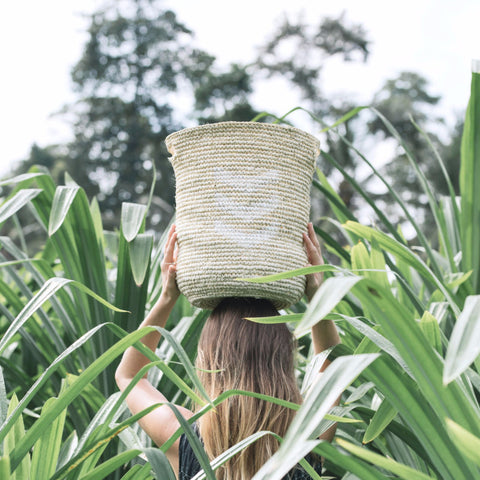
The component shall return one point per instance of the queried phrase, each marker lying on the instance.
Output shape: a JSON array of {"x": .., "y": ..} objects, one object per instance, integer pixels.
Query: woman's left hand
[
  {"x": 314, "y": 254},
  {"x": 170, "y": 291}
]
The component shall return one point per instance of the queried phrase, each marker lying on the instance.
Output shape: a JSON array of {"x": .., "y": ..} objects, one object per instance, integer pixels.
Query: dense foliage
[{"x": 409, "y": 320}]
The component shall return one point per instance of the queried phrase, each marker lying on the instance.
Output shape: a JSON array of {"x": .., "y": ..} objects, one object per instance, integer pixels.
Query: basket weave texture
[{"x": 243, "y": 202}]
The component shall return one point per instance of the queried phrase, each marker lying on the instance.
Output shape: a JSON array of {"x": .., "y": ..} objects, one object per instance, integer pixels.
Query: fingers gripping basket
[{"x": 243, "y": 202}]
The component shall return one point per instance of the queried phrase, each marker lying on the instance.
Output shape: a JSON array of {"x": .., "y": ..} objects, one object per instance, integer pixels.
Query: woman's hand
[
  {"x": 314, "y": 254},
  {"x": 170, "y": 291}
]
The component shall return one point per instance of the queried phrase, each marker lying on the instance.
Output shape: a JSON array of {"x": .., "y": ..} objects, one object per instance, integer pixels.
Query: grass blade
[
  {"x": 331, "y": 291},
  {"x": 424, "y": 363},
  {"x": 47, "y": 447},
  {"x": 466, "y": 442},
  {"x": 102, "y": 471},
  {"x": 402, "y": 471},
  {"x": 298, "y": 439},
  {"x": 464, "y": 345},
  {"x": 160, "y": 464},
  {"x": 71, "y": 392},
  {"x": 469, "y": 191},
  {"x": 382, "y": 418},
  {"x": 44, "y": 294},
  {"x": 404, "y": 253},
  {"x": 140, "y": 250},
  {"x": 20, "y": 470},
  {"x": 133, "y": 216},
  {"x": 63, "y": 199},
  {"x": 14, "y": 204}
]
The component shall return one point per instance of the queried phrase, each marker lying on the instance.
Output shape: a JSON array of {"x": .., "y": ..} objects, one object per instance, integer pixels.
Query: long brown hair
[{"x": 241, "y": 354}]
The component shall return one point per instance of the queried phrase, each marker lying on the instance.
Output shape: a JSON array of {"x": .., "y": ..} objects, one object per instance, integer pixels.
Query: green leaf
[
  {"x": 20, "y": 178},
  {"x": 3, "y": 400},
  {"x": 351, "y": 464},
  {"x": 128, "y": 294},
  {"x": 67, "y": 449},
  {"x": 5, "y": 467},
  {"x": 24, "y": 444},
  {"x": 435, "y": 211},
  {"x": 431, "y": 330},
  {"x": 469, "y": 191},
  {"x": 466, "y": 442},
  {"x": 331, "y": 291},
  {"x": 464, "y": 345},
  {"x": 298, "y": 439},
  {"x": 382, "y": 418},
  {"x": 288, "y": 318},
  {"x": 342, "y": 213},
  {"x": 160, "y": 464},
  {"x": 140, "y": 250},
  {"x": 97, "y": 221},
  {"x": 110, "y": 465},
  {"x": 402, "y": 471},
  {"x": 187, "y": 364},
  {"x": 345, "y": 118},
  {"x": 404, "y": 253},
  {"x": 195, "y": 443},
  {"x": 370, "y": 264},
  {"x": 48, "y": 290},
  {"x": 47, "y": 447},
  {"x": 90, "y": 452},
  {"x": 14, "y": 204},
  {"x": 133, "y": 216},
  {"x": 63, "y": 199},
  {"x": 424, "y": 363},
  {"x": 359, "y": 392},
  {"x": 313, "y": 369},
  {"x": 139, "y": 472},
  {"x": 21, "y": 470},
  {"x": 292, "y": 273},
  {"x": 35, "y": 388},
  {"x": 419, "y": 415},
  {"x": 385, "y": 345},
  {"x": 231, "y": 452},
  {"x": 361, "y": 191}
]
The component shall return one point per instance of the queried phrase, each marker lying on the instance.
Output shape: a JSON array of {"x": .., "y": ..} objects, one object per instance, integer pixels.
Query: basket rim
[{"x": 254, "y": 126}]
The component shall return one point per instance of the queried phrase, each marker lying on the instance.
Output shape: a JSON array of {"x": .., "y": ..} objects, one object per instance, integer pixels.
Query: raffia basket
[{"x": 243, "y": 202}]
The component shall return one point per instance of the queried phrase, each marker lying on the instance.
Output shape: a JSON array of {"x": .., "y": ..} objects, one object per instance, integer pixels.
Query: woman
[{"x": 232, "y": 353}]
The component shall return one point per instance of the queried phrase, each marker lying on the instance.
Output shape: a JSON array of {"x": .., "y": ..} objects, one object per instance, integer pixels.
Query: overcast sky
[{"x": 41, "y": 40}]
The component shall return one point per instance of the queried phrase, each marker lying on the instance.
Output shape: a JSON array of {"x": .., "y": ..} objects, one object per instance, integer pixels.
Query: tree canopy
[
  {"x": 141, "y": 77},
  {"x": 138, "y": 68}
]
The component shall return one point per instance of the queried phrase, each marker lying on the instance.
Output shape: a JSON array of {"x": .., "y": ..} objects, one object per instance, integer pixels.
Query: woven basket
[{"x": 243, "y": 202}]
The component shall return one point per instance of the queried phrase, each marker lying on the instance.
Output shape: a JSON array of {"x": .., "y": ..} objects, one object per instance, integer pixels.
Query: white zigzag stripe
[{"x": 243, "y": 207}]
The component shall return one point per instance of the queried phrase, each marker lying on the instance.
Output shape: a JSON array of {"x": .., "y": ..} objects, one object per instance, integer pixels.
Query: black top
[{"x": 189, "y": 466}]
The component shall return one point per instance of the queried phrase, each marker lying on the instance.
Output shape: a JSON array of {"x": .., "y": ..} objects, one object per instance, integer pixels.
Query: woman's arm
[
  {"x": 324, "y": 333},
  {"x": 161, "y": 423}
]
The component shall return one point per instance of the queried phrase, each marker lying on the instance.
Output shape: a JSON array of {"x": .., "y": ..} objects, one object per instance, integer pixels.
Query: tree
[
  {"x": 140, "y": 63},
  {"x": 404, "y": 100},
  {"x": 133, "y": 61},
  {"x": 298, "y": 52}
]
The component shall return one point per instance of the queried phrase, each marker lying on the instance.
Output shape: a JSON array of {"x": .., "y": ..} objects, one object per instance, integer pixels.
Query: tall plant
[
  {"x": 61, "y": 333},
  {"x": 418, "y": 308},
  {"x": 408, "y": 363}
]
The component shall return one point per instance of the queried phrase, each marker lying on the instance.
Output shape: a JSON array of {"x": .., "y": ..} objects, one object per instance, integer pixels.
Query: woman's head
[{"x": 235, "y": 353}]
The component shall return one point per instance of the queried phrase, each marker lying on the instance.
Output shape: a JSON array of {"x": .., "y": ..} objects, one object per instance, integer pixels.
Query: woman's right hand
[
  {"x": 170, "y": 291},
  {"x": 314, "y": 254}
]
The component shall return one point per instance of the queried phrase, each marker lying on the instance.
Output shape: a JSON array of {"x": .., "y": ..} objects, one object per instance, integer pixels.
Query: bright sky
[{"x": 40, "y": 41}]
